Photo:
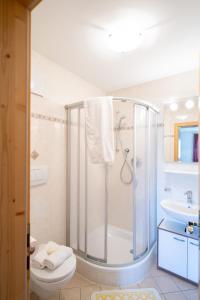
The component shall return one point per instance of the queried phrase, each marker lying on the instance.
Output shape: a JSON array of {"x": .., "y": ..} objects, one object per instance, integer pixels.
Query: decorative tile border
[
  {"x": 48, "y": 118},
  {"x": 115, "y": 128},
  {"x": 123, "y": 128},
  {"x": 34, "y": 154}
]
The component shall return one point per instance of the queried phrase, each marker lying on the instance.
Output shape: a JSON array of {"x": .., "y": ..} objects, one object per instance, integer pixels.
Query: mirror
[{"x": 181, "y": 130}]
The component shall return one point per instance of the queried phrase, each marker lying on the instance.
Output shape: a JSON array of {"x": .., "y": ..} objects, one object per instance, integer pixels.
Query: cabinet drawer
[
  {"x": 193, "y": 260},
  {"x": 172, "y": 252}
]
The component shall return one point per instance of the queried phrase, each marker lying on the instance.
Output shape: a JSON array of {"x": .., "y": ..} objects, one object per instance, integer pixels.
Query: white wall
[
  {"x": 58, "y": 84},
  {"x": 48, "y": 137},
  {"x": 157, "y": 91}
]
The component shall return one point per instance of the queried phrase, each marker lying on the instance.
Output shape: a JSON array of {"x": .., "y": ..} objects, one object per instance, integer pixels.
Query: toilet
[{"x": 44, "y": 282}]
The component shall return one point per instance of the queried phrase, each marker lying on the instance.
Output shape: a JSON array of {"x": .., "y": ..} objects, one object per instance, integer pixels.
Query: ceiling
[{"x": 74, "y": 33}]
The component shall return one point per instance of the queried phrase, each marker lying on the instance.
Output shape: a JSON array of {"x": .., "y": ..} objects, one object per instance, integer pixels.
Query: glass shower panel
[
  {"x": 96, "y": 211},
  {"x": 113, "y": 207},
  {"x": 82, "y": 183},
  {"x": 73, "y": 173},
  {"x": 140, "y": 198},
  {"x": 152, "y": 176},
  {"x": 120, "y": 188}
]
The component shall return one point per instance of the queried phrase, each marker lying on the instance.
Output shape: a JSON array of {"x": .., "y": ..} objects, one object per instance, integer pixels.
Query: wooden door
[{"x": 14, "y": 146}]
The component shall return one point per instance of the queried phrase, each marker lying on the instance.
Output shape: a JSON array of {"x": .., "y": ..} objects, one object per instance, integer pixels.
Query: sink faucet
[{"x": 189, "y": 197}]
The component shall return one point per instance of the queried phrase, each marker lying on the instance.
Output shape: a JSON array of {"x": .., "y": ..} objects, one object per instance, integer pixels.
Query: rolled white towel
[
  {"x": 39, "y": 257},
  {"x": 55, "y": 259},
  {"x": 51, "y": 247},
  {"x": 33, "y": 242},
  {"x": 44, "y": 251}
]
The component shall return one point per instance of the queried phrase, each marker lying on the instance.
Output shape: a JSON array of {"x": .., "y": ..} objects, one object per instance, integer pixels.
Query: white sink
[{"x": 181, "y": 211}]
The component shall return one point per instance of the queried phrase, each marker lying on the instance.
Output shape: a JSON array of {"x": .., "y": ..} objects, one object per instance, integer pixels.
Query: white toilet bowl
[{"x": 44, "y": 283}]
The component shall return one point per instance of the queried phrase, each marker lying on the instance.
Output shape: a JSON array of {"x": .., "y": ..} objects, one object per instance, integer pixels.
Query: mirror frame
[{"x": 176, "y": 134}]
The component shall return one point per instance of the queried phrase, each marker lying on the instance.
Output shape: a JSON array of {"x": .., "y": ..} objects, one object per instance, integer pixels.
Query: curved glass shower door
[
  {"x": 96, "y": 212},
  {"x": 87, "y": 193},
  {"x": 140, "y": 188},
  {"x": 113, "y": 207},
  {"x": 144, "y": 189}
]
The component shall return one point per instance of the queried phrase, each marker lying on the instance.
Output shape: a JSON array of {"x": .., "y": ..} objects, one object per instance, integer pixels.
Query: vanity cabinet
[
  {"x": 193, "y": 257},
  {"x": 171, "y": 244},
  {"x": 178, "y": 252}
]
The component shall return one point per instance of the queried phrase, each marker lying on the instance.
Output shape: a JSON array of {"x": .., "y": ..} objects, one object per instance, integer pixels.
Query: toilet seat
[{"x": 60, "y": 273}]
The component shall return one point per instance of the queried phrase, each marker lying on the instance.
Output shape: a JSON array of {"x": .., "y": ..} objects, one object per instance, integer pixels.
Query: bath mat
[{"x": 130, "y": 294}]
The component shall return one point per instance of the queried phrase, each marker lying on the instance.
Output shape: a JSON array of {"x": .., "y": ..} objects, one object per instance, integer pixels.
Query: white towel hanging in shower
[{"x": 99, "y": 129}]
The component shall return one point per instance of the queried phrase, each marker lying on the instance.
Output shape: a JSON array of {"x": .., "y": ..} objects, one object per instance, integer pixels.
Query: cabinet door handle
[
  {"x": 177, "y": 239},
  {"x": 194, "y": 244}
]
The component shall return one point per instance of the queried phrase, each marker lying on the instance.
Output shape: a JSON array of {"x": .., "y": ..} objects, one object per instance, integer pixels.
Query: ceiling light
[
  {"x": 124, "y": 41},
  {"x": 173, "y": 106},
  {"x": 189, "y": 104}
]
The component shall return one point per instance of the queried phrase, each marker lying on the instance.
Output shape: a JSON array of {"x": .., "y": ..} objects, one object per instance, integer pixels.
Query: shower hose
[
  {"x": 126, "y": 164},
  {"x": 125, "y": 153}
]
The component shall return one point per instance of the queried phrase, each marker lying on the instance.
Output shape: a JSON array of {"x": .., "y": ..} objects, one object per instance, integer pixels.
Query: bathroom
[{"x": 117, "y": 216}]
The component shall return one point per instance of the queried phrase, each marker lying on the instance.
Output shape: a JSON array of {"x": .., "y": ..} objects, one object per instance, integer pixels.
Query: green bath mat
[{"x": 130, "y": 294}]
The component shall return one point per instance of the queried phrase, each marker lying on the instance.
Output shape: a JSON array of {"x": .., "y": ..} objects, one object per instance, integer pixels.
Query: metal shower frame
[{"x": 84, "y": 254}]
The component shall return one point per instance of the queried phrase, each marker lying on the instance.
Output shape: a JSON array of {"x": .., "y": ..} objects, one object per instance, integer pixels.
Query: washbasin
[{"x": 181, "y": 211}]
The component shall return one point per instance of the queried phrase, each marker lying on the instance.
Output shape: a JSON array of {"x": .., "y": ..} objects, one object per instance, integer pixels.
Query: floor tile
[
  {"x": 33, "y": 297},
  {"x": 183, "y": 284},
  {"x": 192, "y": 294},
  {"x": 87, "y": 291},
  {"x": 108, "y": 287},
  {"x": 162, "y": 296},
  {"x": 132, "y": 286},
  {"x": 155, "y": 272},
  {"x": 166, "y": 284},
  {"x": 175, "y": 296},
  {"x": 78, "y": 281},
  {"x": 55, "y": 297},
  {"x": 70, "y": 294},
  {"x": 149, "y": 283}
]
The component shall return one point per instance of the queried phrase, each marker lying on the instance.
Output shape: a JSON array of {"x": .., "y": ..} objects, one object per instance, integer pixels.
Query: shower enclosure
[{"x": 112, "y": 207}]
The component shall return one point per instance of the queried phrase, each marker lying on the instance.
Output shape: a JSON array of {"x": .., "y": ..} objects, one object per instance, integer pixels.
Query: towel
[
  {"x": 33, "y": 242},
  {"x": 99, "y": 129},
  {"x": 39, "y": 258},
  {"x": 55, "y": 259}
]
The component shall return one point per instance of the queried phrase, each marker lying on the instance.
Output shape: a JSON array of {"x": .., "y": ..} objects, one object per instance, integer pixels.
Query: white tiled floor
[{"x": 170, "y": 287}]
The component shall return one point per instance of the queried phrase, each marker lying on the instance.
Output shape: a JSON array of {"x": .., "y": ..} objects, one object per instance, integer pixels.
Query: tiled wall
[
  {"x": 170, "y": 185},
  {"x": 58, "y": 86},
  {"x": 179, "y": 184},
  {"x": 48, "y": 201}
]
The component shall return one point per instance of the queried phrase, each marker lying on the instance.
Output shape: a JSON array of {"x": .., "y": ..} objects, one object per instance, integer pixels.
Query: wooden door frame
[{"x": 14, "y": 146}]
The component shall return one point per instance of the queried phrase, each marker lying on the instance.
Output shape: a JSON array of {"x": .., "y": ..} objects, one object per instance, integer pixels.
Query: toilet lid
[{"x": 58, "y": 274}]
